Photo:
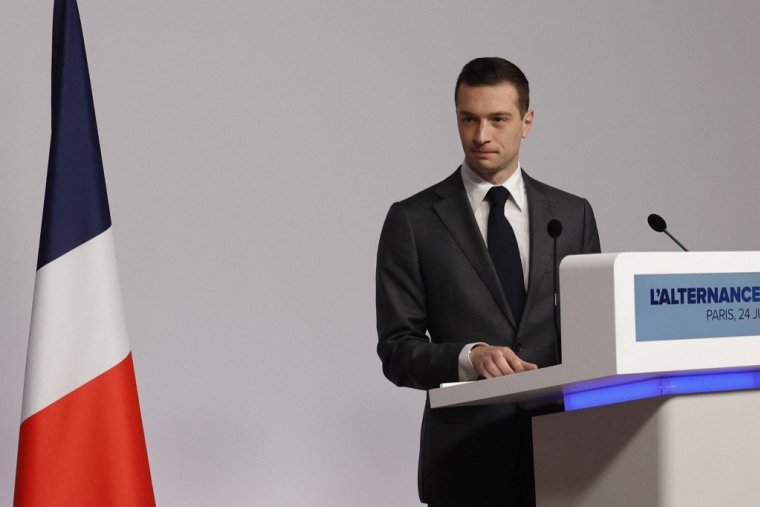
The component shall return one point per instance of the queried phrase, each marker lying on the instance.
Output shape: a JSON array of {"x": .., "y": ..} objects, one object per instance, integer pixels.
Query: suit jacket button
[{"x": 518, "y": 348}]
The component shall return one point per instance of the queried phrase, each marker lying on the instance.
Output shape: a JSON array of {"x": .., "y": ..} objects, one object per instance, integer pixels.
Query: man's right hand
[{"x": 490, "y": 362}]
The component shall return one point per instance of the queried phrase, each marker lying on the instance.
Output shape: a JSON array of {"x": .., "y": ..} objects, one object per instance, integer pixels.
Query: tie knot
[{"x": 498, "y": 196}]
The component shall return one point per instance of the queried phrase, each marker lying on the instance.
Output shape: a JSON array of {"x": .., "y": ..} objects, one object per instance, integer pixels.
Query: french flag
[{"x": 81, "y": 440}]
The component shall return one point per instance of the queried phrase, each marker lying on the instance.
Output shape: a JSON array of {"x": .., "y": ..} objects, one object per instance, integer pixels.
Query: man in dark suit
[{"x": 465, "y": 291}]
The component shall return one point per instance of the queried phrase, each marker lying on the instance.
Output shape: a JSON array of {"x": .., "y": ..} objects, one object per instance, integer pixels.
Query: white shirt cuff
[{"x": 466, "y": 370}]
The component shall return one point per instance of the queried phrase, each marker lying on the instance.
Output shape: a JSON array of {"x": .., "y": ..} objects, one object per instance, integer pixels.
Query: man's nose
[{"x": 482, "y": 133}]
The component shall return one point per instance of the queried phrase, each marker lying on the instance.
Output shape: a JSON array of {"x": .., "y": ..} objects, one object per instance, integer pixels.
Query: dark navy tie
[{"x": 505, "y": 254}]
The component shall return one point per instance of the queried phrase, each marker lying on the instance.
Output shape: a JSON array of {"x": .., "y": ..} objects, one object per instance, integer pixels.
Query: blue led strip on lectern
[{"x": 665, "y": 386}]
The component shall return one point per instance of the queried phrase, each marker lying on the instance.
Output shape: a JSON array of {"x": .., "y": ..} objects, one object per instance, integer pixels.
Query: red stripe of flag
[{"x": 87, "y": 449}]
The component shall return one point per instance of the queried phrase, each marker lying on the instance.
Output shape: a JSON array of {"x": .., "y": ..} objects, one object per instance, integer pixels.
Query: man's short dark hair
[{"x": 494, "y": 71}]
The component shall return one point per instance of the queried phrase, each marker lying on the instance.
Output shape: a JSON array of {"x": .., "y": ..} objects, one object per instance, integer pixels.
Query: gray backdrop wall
[{"x": 252, "y": 150}]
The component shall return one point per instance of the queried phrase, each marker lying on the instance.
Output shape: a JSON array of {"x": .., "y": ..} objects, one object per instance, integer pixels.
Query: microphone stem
[
  {"x": 674, "y": 239},
  {"x": 556, "y": 306}
]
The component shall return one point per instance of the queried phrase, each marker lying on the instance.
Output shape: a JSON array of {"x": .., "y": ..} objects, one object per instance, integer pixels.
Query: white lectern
[{"x": 661, "y": 359}]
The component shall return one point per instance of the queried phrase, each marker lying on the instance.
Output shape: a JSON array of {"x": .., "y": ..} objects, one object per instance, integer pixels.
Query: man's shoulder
[
  {"x": 554, "y": 194},
  {"x": 433, "y": 194}
]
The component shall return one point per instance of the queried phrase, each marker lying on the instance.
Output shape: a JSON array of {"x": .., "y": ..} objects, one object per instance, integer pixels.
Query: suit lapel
[
  {"x": 541, "y": 211},
  {"x": 455, "y": 212}
]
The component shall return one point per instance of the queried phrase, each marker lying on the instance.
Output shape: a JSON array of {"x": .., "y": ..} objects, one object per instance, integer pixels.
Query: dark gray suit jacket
[{"x": 437, "y": 290}]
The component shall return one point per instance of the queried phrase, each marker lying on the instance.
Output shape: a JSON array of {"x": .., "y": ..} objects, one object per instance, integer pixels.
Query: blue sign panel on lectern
[{"x": 683, "y": 306}]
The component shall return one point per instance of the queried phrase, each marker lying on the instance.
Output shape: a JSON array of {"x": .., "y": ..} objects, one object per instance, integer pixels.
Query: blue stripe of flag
[{"x": 76, "y": 203}]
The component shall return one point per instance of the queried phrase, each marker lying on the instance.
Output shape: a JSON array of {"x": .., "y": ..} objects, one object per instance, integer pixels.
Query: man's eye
[{"x": 500, "y": 119}]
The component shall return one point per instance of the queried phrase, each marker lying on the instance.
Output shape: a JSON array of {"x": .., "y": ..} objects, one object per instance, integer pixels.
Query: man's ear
[{"x": 527, "y": 123}]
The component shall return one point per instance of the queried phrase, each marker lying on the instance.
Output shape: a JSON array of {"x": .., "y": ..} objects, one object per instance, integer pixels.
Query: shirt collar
[{"x": 477, "y": 187}]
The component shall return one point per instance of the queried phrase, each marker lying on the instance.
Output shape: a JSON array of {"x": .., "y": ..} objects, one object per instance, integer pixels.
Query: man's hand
[{"x": 490, "y": 362}]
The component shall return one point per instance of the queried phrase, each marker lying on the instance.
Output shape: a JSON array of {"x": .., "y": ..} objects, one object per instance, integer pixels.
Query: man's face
[{"x": 491, "y": 129}]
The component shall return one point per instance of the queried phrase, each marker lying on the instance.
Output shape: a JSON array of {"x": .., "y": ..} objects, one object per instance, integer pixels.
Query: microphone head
[
  {"x": 554, "y": 228},
  {"x": 657, "y": 223}
]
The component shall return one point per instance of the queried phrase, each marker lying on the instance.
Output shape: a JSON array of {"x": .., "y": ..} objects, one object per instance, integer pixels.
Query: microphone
[
  {"x": 554, "y": 228},
  {"x": 657, "y": 223}
]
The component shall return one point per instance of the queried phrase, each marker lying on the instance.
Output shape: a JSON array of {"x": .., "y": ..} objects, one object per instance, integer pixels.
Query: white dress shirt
[{"x": 516, "y": 212}]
